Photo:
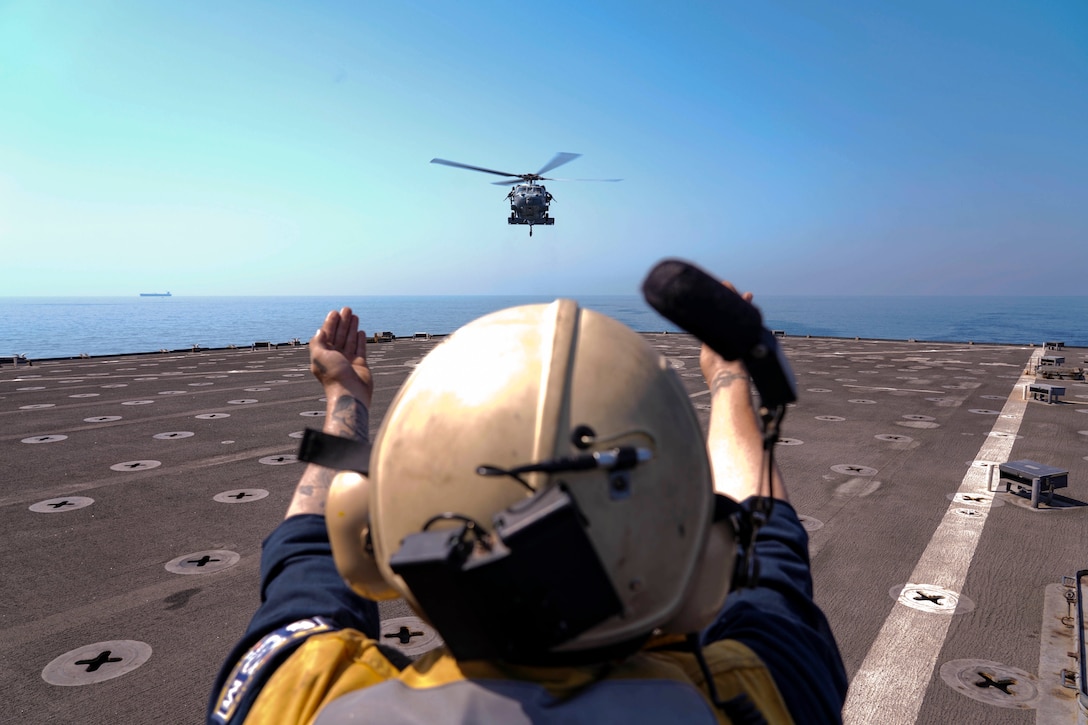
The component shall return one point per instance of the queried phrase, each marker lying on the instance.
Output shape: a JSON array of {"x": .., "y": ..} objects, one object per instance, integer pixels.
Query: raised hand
[
  {"x": 338, "y": 357},
  {"x": 717, "y": 370}
]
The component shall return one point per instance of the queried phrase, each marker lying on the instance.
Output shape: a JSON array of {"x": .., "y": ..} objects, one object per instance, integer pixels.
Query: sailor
[{"x": 541, "y": 492}]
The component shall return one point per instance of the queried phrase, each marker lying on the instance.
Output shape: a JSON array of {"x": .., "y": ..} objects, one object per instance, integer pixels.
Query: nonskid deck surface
[{"x": 136, "y": 491}]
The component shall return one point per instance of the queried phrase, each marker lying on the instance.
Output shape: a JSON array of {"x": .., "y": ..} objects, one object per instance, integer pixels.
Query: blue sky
[{"x": 855, "y": 147}]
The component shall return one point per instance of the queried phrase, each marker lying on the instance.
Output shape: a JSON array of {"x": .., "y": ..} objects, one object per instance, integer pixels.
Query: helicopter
[{"x": 528, "y": 200}]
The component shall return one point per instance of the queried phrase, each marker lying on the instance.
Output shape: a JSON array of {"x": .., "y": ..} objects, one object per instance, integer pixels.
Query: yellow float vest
[{"x": 342, "y": 676}]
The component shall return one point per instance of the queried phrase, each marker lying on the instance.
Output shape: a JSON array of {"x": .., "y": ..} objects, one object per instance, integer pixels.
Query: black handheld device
[{"x": 698, "y": 303}]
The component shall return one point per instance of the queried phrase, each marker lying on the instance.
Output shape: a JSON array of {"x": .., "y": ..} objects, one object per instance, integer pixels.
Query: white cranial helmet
[{"x": 541, "y": 468}]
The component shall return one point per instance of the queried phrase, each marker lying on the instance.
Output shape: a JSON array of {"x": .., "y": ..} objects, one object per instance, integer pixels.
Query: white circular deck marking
[
  {"x": 173, "y": 392},
  {"x": 203, "y": 562},
  {"x": 790, "y": 442},
  {"x": 116, "y": 385},
  {"x": 810, "y": 523},
  {"x": 931, "y": 598},
  {"x": 312, "y": 413},
  {"x": 917, "y": 424},
  {"x": 62, "y": 504},
  {"x": 173, "y": 435},
  {"x": 831, "y": 418},
  {"x": 992, "y": 683},
  {"x": 914, "y": 639},
  {"x": 862, "y": 401},
  {"x": 257, "y": 390},
  {"x": 818, "y": 390},
  {"x": 35, "y": 387},
  {"x": 850, "y": 469},
  {"x": 45, "y": 439},
  {"x": 199, "y": 385},
  {"x": 240, "y": 495},
  {"x": 280, "y": 460},
  {"x": 37, "y": 406},
  {"x": 242, "y": 401},
  {"x": 96, "y": 662},
  {"x": 135, "y": 465},
  {"x": 138, "y": 402},
  {"x": 969, "y": 513},
  {"x": 893, "y": 438},
  {"x": 985, "y": 500},
  {"x": 212, "y": 416},
  {"x": 85, "y": 395},
  {"x": 983, "y": 411},
  {"x": 273, "y": 382},
  {"x": 297, "y": 434},
  {"x": 410, "y": 635},
  {"x": 102, "y": 419}
]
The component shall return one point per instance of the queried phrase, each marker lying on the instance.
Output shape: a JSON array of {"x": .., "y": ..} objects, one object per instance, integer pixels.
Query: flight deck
[{"x": 136, "y": 491}]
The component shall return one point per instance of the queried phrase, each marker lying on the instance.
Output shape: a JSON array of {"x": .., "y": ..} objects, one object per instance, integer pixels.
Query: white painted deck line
[{"x": 891, "y": 683}]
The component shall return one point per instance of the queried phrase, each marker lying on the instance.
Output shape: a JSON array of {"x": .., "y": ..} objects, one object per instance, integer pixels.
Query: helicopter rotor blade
[
  {"x": 509, "y": 182},
  {"x": 557, "y": 179},
  {"x": 474, "y": 168},
  {"x": 559, "y": 159}
]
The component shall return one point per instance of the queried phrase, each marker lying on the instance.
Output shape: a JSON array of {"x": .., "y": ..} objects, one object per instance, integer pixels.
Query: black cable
[{"x": 740, "y": 709}]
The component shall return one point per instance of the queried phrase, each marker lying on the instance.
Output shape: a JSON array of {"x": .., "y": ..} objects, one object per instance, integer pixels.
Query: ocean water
[{"x": 43, "y": 327}]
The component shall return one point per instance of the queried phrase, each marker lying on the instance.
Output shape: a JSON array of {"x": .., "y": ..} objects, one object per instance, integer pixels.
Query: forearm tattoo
[
  {"x": 725, "y": 379},
  {"x": 350, "y": 418}
]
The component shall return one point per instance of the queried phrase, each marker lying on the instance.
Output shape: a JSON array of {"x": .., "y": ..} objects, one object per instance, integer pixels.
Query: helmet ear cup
[
  {"x": 347, "y": 516},
  {"x": 710, "y": 582}
]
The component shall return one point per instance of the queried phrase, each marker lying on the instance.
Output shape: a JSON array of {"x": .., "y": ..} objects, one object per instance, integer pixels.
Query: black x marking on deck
[
  {"x": 101, "y": 659},
  {"x": 202, "y": 560},
  {"x": 1002, "y": 685},
  {"x": 240, "y": 495},
  {"x": 923, "y": 597},
  {"x": 404, "y": 635},
  {"x": 61, "y": 503},
  {"x": 972, "y": 498}
]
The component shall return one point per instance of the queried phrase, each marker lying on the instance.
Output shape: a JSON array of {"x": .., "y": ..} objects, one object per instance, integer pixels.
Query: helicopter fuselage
[
  {"x": 528, "y": 200},
  {"x": 529, "y": 205}
]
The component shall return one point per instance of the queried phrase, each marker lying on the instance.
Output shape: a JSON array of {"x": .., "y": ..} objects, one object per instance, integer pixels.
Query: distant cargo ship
[{"x": 155, "y": 294}]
